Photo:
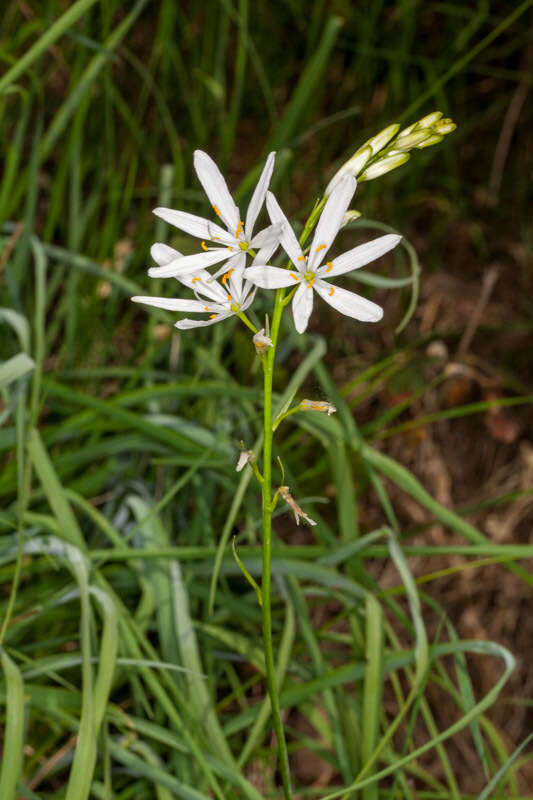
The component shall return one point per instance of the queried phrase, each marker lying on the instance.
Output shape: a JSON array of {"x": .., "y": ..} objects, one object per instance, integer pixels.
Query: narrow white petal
[
  {"x": 249, "y": 297},
  {"x": 271, "y": 277},
  {"x": 190, "y": 223},
  {"x": 201, "y": 283},
  {"x": 302, "y": 305},
  {"x": 349, "y": 303},
  {"x": 331, "y": 219},
  {"x": 170, "y": 304},
  {"x": 216, "y": 189},
  {"x": 188, "y": 264},
  {"x": 288, "y": 240},
  {"x": 163, "y": 254},
  {"x": 359, "y": 256},
  {"x": 267, "y": 236},
  {"x": 187, "y": 324},
  {"x": 258, "y": 197},
  {"x": 265, "y": 253},
  {"x": 234, "y": 283}
]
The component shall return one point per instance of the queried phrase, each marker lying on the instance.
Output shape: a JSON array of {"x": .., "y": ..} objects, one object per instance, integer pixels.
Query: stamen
[
  {"x": 212, "y": 316},
  {"x": 230, "y": 248},
  {"x": 311, "y": 282},
  {"x": 206, "y": 308},
  {"x": 217, "y": 212},
  {"x": 204, "y": 246},
  {"x": 196, "y": 279},
  {"x": 240, "y": 226},
  {"x": 296, "y": 277},
  {"x": 329, "y": 265},
  {"x": 228, "y": 298},
  {"x": 226, "y": 276},
  {"x": 301, "y": 258},
  {"x": 320, "y": 247},
  {"x": 331, "y": 291}
]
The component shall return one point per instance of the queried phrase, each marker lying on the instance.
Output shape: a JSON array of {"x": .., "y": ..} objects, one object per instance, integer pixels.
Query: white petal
[
  {"x": 258, "y": 197},
  {"x": 163, "y": 254},
  {"x": 302, "y": 305},
  {"x": 249, "y": 297},
  {"x": 359, "y": 256},
  {"x": 216, "y": 189},
  {"x": 201, "y": 283},
  {"x": 265, "y": 253},
  {"x": 234, "y": 284},
  {"x": 288, "y": 240},
  {"x": 187, "y": 324},
  {"x": 190, "y": 223},
  {"x": 349, "y": 303},
  {"x": 331, "y": 219},
  {"x": 187, "y": 264},
  {"x": 271, "y": 277},
  {"x": 267, "y": 236},
  {"x": 170, "y": 304}
]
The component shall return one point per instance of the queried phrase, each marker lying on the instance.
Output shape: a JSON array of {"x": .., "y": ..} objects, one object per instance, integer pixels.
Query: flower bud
[
  {"x": 318, "y": 405},
  {"x": 354, "y": 166},
  {"x": 261, "y": 342},
  {"x": 407, "y": 142},
  {"x": 350, "y": 216},
  {"x": 435, "y": 139},
  {"x": 380, "y": 141},
  {"x": 429, "y": 120},
  {"x": 444, "y": 126},
  {"x": 384, "y": 165}
]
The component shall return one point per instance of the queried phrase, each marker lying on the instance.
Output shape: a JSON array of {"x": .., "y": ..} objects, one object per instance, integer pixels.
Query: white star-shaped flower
[
  {"x": 238, "y": 237},
  {"x": 218, "y": 300},
  {"x": 313, "y": 273}
]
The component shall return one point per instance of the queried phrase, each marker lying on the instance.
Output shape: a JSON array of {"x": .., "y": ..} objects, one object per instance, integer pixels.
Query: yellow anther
[
  {"x": 204, "y": 246},
  {"x": 331, "y": 291},
  {"x": 293, "y": 275},
  {"x": 226, "y": 276},
  {"x": 230, "y": 248},
  {"x": 301, "y": 258},
  {"x": 329, "y": 265},
  {"x": 212, "y": 316},
  {"x": 196, "y": 279},
  {"x": 217, "y": 212},
  {"x": 310, "y": 283},
  {"x": 240, "y": 226},
  {"x": 320, "y": 247},
  {"x": 228, "y": 298}
]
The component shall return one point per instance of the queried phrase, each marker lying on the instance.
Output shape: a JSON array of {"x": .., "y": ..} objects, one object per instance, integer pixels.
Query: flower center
[
  {"x": 234, "y": 307},
  {"x": 309, "y": 276},
  {"x": 244, "y": 245}
]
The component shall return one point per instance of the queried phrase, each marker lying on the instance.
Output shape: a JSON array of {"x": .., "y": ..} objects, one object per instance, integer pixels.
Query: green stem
[{"x": 268, "y": 366}]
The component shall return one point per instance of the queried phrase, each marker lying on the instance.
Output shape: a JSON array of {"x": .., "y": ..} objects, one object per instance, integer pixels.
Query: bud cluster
[{"x": 390, "y": 148}]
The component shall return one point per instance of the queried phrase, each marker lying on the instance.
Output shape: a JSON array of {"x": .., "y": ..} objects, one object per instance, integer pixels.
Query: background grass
[{"x": 130, "y": 642}]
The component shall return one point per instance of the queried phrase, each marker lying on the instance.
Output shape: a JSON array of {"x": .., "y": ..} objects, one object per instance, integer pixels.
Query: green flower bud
[
  {"x": 380, "y": 141},
  {"x": 429, "y": 120},
  {"x": 435, "y": 139},
  {"x": 384, "y": 165}
]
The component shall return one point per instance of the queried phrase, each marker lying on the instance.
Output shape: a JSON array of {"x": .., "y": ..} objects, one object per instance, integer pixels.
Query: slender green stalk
[{"x": 268, "y": 366}]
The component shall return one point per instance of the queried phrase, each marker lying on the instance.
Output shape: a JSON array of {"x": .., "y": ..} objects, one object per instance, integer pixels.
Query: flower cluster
[{"x": 308, "y": 272}]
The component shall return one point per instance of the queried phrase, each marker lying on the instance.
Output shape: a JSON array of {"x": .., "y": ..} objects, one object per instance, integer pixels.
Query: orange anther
[
  {"x": 240, "y": 226},
  {"x": 217, "y": 212},
  {"x": 228, "y": 298},
  {"x": 296, "y": 277},
  {"x": 212, "y": 316},
  {"x": 310, "y": 283},
  {"x": 204, "y": 246},
  {"x": 206, "y": 308},
  {"x": 331, "y": 291},
  {"x": 329, "y": 265},
  {"x": 226, "y": 276},
  {"x": 320, "y": 247},
  {"x": 301, "y": 258},
  {"x": 196, "y": 279}
]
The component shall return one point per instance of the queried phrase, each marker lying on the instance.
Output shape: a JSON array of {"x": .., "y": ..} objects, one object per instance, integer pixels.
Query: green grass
[{"x": 130, "y": 641}]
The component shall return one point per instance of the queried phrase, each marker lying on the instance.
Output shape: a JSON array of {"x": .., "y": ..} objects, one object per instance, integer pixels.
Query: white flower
[
  {"x": 261, "y": 341},
  {"x": 311, "y": 274},
  {"x": 237, "y": 238},
  {"x": 218, "y": 300}
]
